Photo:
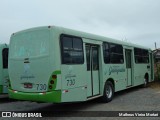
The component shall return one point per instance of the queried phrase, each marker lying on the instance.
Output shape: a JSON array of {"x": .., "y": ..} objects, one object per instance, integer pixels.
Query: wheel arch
[
  {"x": 146, "y": 76},
  {"x": 108, "y": 95},
  {"x": 112, "y": 81}
]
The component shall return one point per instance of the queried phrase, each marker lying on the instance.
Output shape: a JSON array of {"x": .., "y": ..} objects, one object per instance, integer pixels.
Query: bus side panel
[
  {"x": 139, "y": 73},
  {"x": 72, "y": 69},
  {"x": 117, "y": 73},
  {"x": 142, "y": 65},
  {"x": 73, "y": 83},
  {"x": 73, "y": 95},
  {"x": 55, "y": 59}
]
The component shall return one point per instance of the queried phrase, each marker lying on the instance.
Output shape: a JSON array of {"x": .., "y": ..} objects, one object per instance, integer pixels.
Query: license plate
[{"x": 27, "y": 85}]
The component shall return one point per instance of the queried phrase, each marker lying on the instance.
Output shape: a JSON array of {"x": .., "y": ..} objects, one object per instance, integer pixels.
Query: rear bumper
[{"x": 53, "y": 96}]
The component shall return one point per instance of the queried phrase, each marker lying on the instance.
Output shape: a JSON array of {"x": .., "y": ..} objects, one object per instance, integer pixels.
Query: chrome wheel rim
[
  {"x": 145, "y": 82},
  {"x": 109, "y": 91}
]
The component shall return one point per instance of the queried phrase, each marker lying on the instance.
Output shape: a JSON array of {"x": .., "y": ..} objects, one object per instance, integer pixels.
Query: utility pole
[{"x": 155, "y": 45}]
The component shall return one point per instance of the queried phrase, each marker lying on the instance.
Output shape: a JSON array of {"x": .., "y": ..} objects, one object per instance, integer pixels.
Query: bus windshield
[{"x": 30, "y": 44}]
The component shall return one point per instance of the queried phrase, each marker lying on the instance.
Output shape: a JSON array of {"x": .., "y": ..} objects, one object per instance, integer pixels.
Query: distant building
[
  {"x": 157, "y": 63},
  {"x": 157, "y": 55}
]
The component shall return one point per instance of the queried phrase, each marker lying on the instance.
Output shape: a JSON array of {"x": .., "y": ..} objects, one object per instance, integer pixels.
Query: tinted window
[
  {"x": 141, "y": 55},
  {"x": 145, "y": 53},
  {"x": 128, "y": 58},
  {"x": 137, "y": 51},
  {"x": 106, "y": 53},
  {"x": 113, "y": 53},
  {"x": 116, "y": 58},
  {"x": 67, "y": 43},
  {"x": 88, "y": 57},
  {"x": 5, "y": 57},
  {"x": 77, "y": 44},
  {"x": 72, "y": 50},
  {"x": 95, "y": 58},
  {"x": 116, "y": 53},
  {"x": 30, "y": 44}
]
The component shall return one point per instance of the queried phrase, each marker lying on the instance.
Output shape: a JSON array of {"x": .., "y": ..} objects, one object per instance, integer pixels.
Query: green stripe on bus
[
  {"x": 57, "y": 72},
  {"x": 53, "y": 96}
]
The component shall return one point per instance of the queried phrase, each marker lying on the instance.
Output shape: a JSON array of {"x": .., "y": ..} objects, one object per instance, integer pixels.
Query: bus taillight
[
  {"x": 51, "y": 82},
  {"x": 50, "y": 87},
  {"x": 14, "y": 91},
  {"x": 54, "y": 76}
]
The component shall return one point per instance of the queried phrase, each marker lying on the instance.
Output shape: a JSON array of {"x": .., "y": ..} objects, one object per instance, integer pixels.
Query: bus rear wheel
[{"x": 108, "y": 92}]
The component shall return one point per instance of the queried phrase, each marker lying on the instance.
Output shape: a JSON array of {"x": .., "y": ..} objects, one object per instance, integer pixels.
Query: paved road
[{"x": 135, "y": 99}]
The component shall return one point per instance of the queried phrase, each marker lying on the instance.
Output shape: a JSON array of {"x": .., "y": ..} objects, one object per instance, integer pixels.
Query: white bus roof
[{"x": 85, "y": 35}]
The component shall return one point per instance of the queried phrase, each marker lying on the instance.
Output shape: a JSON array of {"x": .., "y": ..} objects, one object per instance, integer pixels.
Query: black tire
[{"x": 108, "y": 92}]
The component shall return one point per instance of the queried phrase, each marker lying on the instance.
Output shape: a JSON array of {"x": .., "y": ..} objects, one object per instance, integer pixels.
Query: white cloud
[{"x": 136, "y": 20}]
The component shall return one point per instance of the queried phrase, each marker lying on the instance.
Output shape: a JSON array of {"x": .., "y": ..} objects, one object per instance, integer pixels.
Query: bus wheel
[
  {"x": 108, "y": 92},
  {"x": 145, "y": 81}
]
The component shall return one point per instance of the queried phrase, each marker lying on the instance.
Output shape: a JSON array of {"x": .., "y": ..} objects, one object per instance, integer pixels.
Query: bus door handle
[{"x": 148, "y": 66}]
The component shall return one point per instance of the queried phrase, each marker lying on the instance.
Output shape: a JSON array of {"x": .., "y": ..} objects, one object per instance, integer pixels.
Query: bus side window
[
  {"x": 116, "y": 54},
  {"x": 71, "y": 50},
  {"x": 106, "y": 53},
  {"x": 5, "y": 57},
  {"x": 113, "y": 53},
  {"x": 141, "y": 55}
]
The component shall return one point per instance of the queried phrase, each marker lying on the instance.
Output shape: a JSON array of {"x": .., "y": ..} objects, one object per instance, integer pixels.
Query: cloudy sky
[{"x": 136, "y": 21}]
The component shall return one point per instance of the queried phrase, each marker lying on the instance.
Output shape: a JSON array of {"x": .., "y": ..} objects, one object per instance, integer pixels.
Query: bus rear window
[{"x": 30, "y": 44}]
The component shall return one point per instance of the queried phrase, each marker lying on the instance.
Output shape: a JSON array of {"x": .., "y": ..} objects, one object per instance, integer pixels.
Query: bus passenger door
[
  {"x": 128, "y": 54},
  {"x": 92, "y": 58}
]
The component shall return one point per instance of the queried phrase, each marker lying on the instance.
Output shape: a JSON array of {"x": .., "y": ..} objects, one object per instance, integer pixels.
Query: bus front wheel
[{"x": 108, "y": 92}]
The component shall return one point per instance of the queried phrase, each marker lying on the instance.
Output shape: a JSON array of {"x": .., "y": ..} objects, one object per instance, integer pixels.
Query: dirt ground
[
  {"x": 133, "y": 99},
  {"x": 155, "y": 85}
]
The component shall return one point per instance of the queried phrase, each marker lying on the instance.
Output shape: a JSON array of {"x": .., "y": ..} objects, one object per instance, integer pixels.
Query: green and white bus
[
  {"x": 4, "y": 69},
  {"x": 55, "y": 64}
]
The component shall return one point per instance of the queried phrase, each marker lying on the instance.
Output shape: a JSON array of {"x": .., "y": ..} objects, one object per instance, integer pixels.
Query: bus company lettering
[
  {"x": 116, "y": 69},
  {"x": 27, "y": 74},
  {"x": 27, "y": 77},
  {"x": 69, "y": 76}
]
